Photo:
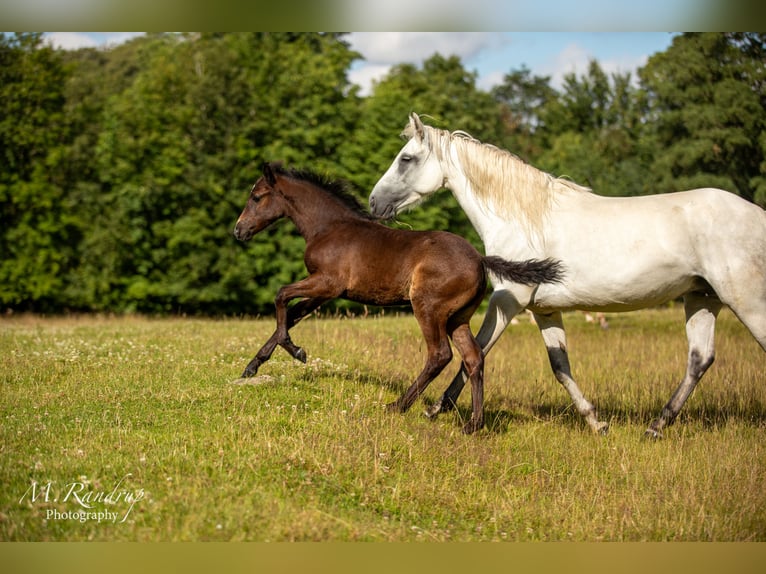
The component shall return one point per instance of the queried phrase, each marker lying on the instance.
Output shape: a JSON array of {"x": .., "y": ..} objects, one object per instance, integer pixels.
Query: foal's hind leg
[
  {"x": 439, "y": 355},
  {"x": 503, "y": 306},
  {"x": 294, "y": 314},
  {"x": 473, "y": 363},
  {"x": 552, "y": 329},
  {"x": 701, "y": 312}
]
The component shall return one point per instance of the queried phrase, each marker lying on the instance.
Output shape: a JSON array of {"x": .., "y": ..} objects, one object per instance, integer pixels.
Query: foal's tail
[{"x": 530, "y": 272}]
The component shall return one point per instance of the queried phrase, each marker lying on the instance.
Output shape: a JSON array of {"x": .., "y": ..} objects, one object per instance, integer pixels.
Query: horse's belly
[{"x": 614, "y": 295}]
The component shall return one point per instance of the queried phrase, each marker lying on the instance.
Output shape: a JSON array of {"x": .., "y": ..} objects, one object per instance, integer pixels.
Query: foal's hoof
[
  {"x": 300, "y": 354},
  {"x": 394, "y": 407},
  {"x": 471, "y": 427},
  {"x": 250, "y": 371}
]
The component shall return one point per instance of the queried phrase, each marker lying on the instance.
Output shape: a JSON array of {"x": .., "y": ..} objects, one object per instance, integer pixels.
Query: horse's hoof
[
  {"x": 433, "y": 411},
  {"x": 601, "y": 428},
  {"x": 652, "y": 434},
  {"x": 471, "y": 427},
  {"x": 300, "y": 354}
]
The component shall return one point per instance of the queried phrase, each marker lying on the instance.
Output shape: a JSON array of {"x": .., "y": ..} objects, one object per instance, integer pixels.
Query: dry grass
[{"x": 307, "y": 452}]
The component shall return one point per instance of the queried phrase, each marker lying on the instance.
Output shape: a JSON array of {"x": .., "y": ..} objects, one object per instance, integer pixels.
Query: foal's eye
[{"x": 255, "y": 198}]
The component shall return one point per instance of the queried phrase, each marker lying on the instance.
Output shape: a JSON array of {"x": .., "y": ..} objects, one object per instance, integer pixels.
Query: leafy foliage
[{"x": 122, "y": 171}]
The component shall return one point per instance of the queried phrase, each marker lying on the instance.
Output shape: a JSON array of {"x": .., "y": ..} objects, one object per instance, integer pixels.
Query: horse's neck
[
  {"x": 489, "y": 224},
  {"x": 315, "y": 211}
]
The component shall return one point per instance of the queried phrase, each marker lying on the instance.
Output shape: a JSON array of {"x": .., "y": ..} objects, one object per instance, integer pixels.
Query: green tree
[
  {"x": 37, "y": 224},
  {"x": 707, "y": 96},
  {"x": 446, "y": 96},
  {"x": 594, "y": 133},
  {"x": 522, "y": 97},
  {"x": 177, "y": 151}
]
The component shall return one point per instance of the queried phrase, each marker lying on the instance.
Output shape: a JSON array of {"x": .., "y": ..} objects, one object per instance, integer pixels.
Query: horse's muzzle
[{"x": 381, "y": 212}]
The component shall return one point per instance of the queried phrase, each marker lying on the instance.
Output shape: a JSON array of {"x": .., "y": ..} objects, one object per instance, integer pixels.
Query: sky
[{"x": 490, "y": 55}]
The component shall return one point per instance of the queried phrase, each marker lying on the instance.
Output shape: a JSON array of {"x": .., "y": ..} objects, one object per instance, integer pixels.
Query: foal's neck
[{"x": 315, "y": 211}]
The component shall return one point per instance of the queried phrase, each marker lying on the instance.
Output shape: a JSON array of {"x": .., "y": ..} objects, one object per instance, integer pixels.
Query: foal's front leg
[
  {"x": 294, "y": 315},
  {"x": 312, "y": 287}
]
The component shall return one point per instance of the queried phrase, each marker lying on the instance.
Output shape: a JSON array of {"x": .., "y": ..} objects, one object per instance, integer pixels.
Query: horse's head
[
  {"x": 264, "y": 206},
  {"x": 415, "y": 174}
]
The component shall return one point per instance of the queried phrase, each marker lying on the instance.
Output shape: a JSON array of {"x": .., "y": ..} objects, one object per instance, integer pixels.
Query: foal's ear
[
  {"x": 417, "y": 126},
  {"x": 268, "y": 173}
]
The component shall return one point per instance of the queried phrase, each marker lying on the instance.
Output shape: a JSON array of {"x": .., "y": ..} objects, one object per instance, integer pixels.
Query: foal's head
[{"x": 265, "y": 205}]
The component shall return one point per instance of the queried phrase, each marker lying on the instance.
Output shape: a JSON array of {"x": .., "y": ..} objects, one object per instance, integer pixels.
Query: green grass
[{"x": 307, "y": 452}]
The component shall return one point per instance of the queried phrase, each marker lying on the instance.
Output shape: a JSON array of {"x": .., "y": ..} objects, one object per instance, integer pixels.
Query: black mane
[{"x": 338, "y": 188}]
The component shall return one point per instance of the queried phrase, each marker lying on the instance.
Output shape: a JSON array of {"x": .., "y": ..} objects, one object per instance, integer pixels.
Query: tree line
[{"x": 122, "y": 170}]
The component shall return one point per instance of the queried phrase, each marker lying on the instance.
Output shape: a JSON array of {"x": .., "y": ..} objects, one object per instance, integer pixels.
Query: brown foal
[{"x": 351, "y": 256}]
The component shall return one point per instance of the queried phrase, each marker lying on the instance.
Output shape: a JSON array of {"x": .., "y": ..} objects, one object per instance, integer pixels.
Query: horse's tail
[{"x": 529, "y": 272}]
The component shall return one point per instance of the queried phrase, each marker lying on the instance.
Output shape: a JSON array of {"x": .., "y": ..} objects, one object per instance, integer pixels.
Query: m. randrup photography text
[{"x": 86, "y": 501}]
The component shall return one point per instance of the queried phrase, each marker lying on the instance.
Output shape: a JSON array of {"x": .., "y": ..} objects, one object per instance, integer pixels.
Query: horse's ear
[
  {"x": 268, "y": 173},
  {"x": 417, "y": 126}
]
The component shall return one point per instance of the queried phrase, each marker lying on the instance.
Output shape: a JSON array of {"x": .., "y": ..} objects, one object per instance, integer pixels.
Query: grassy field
[{"x": 132, "y": 429}]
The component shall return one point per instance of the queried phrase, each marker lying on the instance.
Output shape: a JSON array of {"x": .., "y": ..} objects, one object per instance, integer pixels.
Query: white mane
[{"x": 513, "y": 188}]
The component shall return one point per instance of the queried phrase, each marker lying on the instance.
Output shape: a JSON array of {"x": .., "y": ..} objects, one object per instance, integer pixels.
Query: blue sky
[
  {"x": 489, "y": 54},
  {"x": 493, "y": 54}
]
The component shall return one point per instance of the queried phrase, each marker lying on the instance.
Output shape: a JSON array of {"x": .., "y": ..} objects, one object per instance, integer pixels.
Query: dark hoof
[
  {"x": 300, "y": 354},
  {"x": 471, "y": 427},
  {"x": 652, "y": 434},
  {"x": 250, "y": 371},
  {"x": 394, "y": 407}
]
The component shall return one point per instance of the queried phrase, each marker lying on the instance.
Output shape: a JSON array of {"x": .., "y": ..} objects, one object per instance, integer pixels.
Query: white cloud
[
  {"x": 397, "y": 47},
  {"x": 366, "y": 75},
  {"x": 576, "y": 59},
  {"x": 70, "y": 40},
  {"x": 490, "y": 80},
  {"x": 572, "y": 59},
  {"x": 382, "y": 50},
  {"x": 76, "y": 40}
]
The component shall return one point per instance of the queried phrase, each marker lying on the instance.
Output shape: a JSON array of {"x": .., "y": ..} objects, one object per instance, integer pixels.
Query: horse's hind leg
[
  {"x": 502, "y": 308},
  {"x": 294, "y": 314},
  {"x": 701, "y": 312},
  {"x": 473, "y": 363},
  {"x": 439, "y": 355},
  {"x": 552, "y": 329}
]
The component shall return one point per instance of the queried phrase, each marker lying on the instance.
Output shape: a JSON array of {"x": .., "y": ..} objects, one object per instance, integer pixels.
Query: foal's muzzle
[{"x": 241, "y": 234}]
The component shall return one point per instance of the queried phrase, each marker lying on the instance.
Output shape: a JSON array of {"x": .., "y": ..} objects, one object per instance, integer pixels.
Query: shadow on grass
[{"x": 502, "y": 414}]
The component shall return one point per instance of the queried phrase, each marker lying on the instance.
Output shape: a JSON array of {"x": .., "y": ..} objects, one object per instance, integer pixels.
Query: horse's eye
[
  {"x": 255, "y": 198},
  {"x": 406, "y": 158}
]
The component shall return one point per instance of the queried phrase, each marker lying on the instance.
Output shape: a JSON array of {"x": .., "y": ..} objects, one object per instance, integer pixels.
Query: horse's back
[
  {"x": 629, "y": 252},
  {"x": 729, "y": 233},
  {"x": 384, "y": 266}
]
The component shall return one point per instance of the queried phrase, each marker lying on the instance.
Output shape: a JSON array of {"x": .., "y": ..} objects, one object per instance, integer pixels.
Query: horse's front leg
[
  {"x": 294, "y": 315},
  {"x": 284, "y": 296},
  {"x": 552, "y": 329},
  {"x": 316, "y": 286}
]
